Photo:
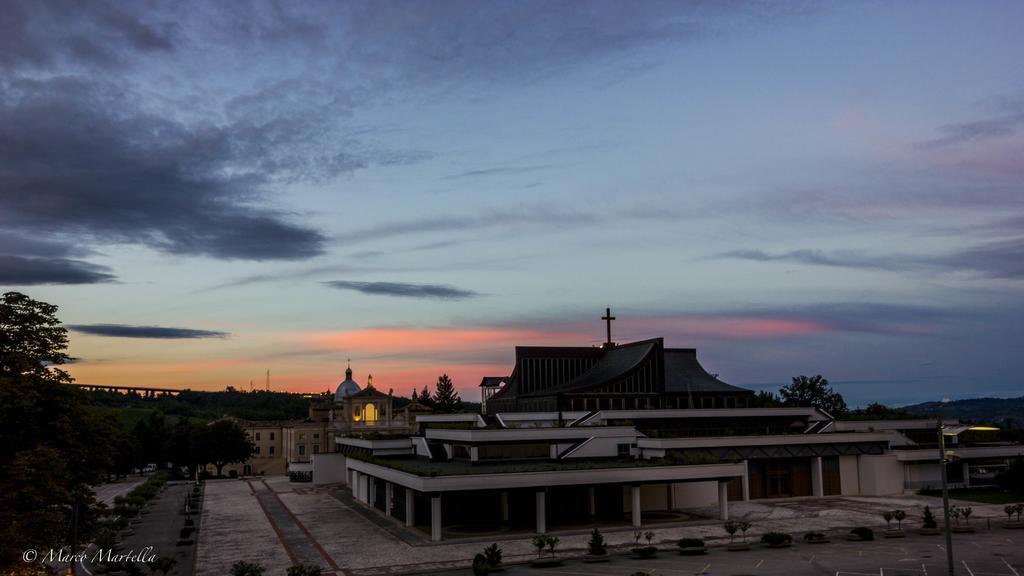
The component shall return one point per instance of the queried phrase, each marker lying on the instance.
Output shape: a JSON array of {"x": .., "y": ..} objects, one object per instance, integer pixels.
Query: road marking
[
  {"x": 924, "y": 570},
  {"x": 759, "y": 563},
  {"x": 809, "y": 561},
  {"x": 704, "y": 570},
  {"x": 969, "y": 571},
  {"x": 1015, "y": 573}
]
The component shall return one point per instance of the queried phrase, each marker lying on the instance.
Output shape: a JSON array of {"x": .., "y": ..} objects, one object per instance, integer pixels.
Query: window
[
  {"x": 257, "y": 450},
  {"x": 271, "y": 450},
  {"x": 370, "y": 413},
  {"x": 316, "y": 436},
  {"x": 302, "y": 449},
  {"x": 514, "y": 451},
  {"x": 316, "y": 448},
  {"x": 302, "y": 436},
  {"x": 257, "y": 436},
  {"x": 622, "y": 449},
  {"x": 271, "y": 435}
]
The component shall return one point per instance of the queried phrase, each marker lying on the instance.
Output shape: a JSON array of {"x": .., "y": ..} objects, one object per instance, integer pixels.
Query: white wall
[
  {"x": 329, "y": 468},
  {"x": 849, "y": 477},
  {"x": 696, "y": 494},
  {"x": 880, "y": 475}
]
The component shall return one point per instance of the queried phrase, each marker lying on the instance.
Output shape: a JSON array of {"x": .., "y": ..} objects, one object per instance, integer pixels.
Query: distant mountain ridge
[{"x": 974, "y": 409}]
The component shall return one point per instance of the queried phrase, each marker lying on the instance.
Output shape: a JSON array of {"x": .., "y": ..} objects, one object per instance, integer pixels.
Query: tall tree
[
  {"x": 424, "y": 397},
  {"x": 224, "y": 442},
  {"x": 446, "y": 399},
  {"x": 813, "y": 391},
  {"x": 43, "y": 425}
]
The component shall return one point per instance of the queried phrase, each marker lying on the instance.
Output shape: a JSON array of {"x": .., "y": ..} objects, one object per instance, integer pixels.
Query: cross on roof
[{"x": 608, "y": 321}]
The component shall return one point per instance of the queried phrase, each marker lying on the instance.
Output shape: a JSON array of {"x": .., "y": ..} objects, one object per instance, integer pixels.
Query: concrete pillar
[
  {"x": 435, "y": 518},
  {"x": 817, "y": 482},
  {"x": 410, "y": 507},
  {"x": 671, "y": 496},
  {"x": 637, "y": 511},
  {"x": 542, "y": 513},
  {"x": 591, "y": 501},
  {"x": 967, "y": 475},
  {"x": 389, "y": 493},
  {"x": 723, "y": 500},
  {"x": 504, "y": 506},
  {"x": 746, "y": 480}
]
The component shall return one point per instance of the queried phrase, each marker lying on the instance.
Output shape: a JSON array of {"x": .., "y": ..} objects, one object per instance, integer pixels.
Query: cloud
[
  {"x": 405, "y": 290},
  {"x": 1000, "y": 259},
  {"x": 47, "y": 33},
  {"x": 28, "y": 270},
  {"x": 26, "y": 261},
  {"x": 1007, "y": 117},
  {"x": 158, "y": 332},
  {"x": 499, "y": 171}
]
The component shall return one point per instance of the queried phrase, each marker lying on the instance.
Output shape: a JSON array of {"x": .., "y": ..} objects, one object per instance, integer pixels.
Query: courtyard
[{"x": 277, "y": 524}]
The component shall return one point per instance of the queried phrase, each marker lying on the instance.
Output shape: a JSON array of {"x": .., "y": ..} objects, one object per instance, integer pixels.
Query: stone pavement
[{"x": 277, "y": 524}]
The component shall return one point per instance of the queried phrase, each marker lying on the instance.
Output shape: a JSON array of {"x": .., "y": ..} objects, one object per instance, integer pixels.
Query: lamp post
[{"x": 944, "y": 431}]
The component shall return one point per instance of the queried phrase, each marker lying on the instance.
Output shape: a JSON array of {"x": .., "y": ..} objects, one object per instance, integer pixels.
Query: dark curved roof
[
  {"x": 683, "y": 373},
  {"x": 615, "y": 363}
]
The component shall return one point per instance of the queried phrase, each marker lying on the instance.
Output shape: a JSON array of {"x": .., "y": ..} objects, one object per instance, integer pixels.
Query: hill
[{"x": 1009, "y": 411}]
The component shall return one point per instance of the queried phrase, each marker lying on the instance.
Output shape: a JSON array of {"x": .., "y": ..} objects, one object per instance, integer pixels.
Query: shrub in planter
[
  {"x": 597, "y": 550},
  {"x": 691, "y": 546},
  {"x": 481, "y": 567},
  {"x": 861, "y": 533},
  {"x": 492, "y": 554},
  {"x": 643, "y": 551},
  {"x": 189, "y": 523},
  {"x": 243, "y": 568},
  {"x": 928, "y": 525},
  {"x": 1012, "y": 510},
  {"x": 776, "y": 539},
  {"x": 304, "y": 570},
  {"x": 540, "y": 542},
  {"x": 816, "y": 538},
  {"x": 889, "y": 516},
  {"x": 957, "y": 514},
  {"x": 731, "y": 528}
]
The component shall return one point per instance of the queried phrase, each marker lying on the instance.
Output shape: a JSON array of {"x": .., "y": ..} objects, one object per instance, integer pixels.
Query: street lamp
[{"x": 944, "y": 431}]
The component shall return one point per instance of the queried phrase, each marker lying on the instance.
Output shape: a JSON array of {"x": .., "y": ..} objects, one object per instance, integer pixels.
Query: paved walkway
[
  {"x": 159, "y": 527},
  {"x": 277, "y": 524},
  {"x": 107, "y": 492}
]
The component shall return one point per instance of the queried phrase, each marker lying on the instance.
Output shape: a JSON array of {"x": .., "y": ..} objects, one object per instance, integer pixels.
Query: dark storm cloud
[
  {"x": 47, "y": 33},
  {"x": 1000, "y": 259},
  {"x": 27, "y": 261},
  {"x": 28, "y": 271},
  {"x": 77, "y": 158},
  {"x": 157, "y": 332},
  {"x": 405, "y": 290}
]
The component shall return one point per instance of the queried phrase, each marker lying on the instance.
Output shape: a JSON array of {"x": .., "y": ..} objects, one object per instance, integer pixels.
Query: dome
[{"x": 346, "y": 388}]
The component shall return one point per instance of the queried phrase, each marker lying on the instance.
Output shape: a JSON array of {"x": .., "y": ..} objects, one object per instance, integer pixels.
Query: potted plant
[
  {"x": 731, "y": 528},
  {"x": 897, "y": 515},
  {"x": 481, "y": 567},
  {"x": 643, "y": 551},
  {"x": 243, "y": 568},
  {"x": 816, "y": 538},
  {"x": 493, "y": 555},
  {"x": 777, "y": 539},
  {"x": 1012, "y": 510},
  {"x": 928, "y": 525},
  {"x": 965, "y": 513},
  {"x": 540, "y": 542},
  {"x": 597, "y": 550},
  {"x": 691, "y": 546},
  {"x": 303, "y": 570},
  {"x": 861, "y": 534}
]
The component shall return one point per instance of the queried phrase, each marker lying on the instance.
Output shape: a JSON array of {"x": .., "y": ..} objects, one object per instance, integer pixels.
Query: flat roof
[{"x": 463, "y": 476}]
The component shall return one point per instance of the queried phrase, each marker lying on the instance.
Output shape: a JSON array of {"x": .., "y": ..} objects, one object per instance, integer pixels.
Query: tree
[
  {"x": 424, "y": 397},
  {"x": 765, "y": 399},
  {"x": 813, "y": 391},
  {"x": 51, "y": 448},
  {"x": 446, "y": 399},
  {"x": 224, "y": 442}
]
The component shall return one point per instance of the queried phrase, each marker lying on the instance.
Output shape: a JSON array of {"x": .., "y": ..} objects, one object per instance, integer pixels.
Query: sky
[{"x": 212, "y": 190}]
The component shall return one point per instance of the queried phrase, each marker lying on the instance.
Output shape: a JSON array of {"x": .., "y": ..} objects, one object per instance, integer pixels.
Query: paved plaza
[{"x": 278, "y": 524}]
